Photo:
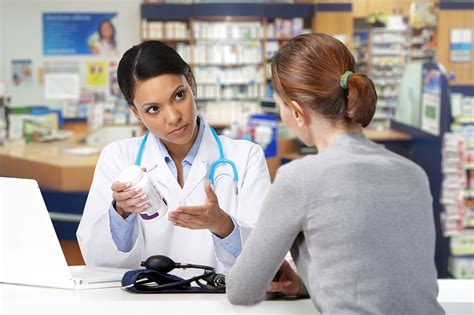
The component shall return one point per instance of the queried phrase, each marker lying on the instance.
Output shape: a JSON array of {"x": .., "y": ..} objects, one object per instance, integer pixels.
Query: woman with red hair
[{"x": 357, "y": 218}]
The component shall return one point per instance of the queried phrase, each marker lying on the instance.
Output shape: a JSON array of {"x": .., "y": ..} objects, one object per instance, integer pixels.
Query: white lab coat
[{"x": 160, "y": 236}]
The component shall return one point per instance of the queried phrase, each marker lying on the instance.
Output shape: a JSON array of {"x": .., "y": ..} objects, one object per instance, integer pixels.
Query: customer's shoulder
[{"x": 300, "y": 167}]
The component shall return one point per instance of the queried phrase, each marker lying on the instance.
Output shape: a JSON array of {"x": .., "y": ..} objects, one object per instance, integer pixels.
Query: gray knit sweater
[{"x": 358, "y": 219}]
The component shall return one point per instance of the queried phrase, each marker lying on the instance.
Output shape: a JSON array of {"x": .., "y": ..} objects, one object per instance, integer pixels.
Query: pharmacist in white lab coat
[{"x": 204, "y": 224}]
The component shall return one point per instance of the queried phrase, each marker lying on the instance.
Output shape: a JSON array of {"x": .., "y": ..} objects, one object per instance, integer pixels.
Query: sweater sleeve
[{"x": 277, "y": 227}]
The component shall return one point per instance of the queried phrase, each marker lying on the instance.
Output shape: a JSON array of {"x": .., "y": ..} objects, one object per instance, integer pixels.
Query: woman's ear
[{"x": 298, "y": 113}]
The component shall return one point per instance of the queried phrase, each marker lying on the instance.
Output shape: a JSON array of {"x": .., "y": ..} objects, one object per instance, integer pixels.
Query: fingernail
[
  {"x": 143, "y": 204},
  {"x": 128, "y": 185},
  {"x": 144, "y": 196},
  {"x": 138, "y": 189}
]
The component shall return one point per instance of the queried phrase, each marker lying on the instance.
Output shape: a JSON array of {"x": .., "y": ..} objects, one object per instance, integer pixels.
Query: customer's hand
[
  {"x": 285, "y": 281},
  {"x": 128, "y": 200}
]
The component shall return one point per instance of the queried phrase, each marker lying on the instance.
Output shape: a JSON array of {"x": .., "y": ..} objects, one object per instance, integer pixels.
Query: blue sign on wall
[{"x": 74, "y": 33}]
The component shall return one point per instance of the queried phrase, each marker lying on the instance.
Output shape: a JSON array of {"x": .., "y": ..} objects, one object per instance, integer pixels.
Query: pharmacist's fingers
[
  {"x": 127, "y": 194},
  {"x": 136, "y": 200},
  {"x": 118, "y": 186},
  {"x": 144, "y": 169},
  {"x": 141, "y": 207}
]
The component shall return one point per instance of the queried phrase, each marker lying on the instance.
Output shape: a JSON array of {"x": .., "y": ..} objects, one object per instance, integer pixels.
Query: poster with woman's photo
[
  {"x": 80, "y": 34},
  {"x": 22, "y": 71}
]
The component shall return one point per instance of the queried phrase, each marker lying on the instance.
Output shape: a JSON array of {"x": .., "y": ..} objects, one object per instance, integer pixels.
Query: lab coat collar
[{"x": 154, "y": 161}]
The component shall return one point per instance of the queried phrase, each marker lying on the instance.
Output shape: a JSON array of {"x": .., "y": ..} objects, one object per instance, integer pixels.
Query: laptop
[{"x": 29, "y": 247}]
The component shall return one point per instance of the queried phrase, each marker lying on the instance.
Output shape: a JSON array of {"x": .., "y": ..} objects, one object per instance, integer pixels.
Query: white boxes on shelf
[
  {"x": 158, "y": 30},
  {"x": 457, "y": 194},
  {"x": 389, "y": 53},
  {"x": 227, "y": 60}
]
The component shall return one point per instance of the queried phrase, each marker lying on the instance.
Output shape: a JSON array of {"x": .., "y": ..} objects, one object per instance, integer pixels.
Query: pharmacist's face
[{"x": 165, "y": 104}]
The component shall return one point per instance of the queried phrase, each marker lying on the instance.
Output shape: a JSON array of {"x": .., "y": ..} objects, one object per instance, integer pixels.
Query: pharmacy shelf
[
  {"x": 170, "y": 40},
  {"x": 242, "y": 29},
  {"x": 169, "y": 11},
  {"x": 242, "y": 99},
  {"x": 388, "y": 30},
  {"x": 239, "y": 64},
  {"x": 226, "y": 40},
  {"x": 230, "y": 83},
  {"x": 281, "y": 39},
  {"x": 385, "y": 42},
  {"x": 387, "y": 55}
]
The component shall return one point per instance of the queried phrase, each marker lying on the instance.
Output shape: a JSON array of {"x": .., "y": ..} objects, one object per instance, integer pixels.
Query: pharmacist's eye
[
  {"x": 152, "y": 110},
  {"x": 179, "y": 95}
]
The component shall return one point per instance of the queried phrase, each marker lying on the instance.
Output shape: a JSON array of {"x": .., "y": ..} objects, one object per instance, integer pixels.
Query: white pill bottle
[{"x": 140, "y": 179}]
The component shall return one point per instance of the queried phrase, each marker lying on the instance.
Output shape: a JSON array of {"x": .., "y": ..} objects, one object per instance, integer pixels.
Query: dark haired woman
[
  {"x": 106, "y": 44},
  {"x": 357, "y": 218},
  {"x": 204, "y": 225}
]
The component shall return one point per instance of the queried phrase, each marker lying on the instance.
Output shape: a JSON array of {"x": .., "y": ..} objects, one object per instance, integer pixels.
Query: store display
[
  {"x": 278, "y": 31},
  {"x": 388, "y": 55},
  {"x": 423, "y": 20},
  {"x": 360, "y": 48},
  {"x": 458, "y": 187}
]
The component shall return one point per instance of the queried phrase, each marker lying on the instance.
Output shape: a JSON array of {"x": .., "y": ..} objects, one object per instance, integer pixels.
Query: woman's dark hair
[
  {"x": 101, "y": 37},
  {"x": 148, "y": 60},
  {"x": 308, "y": 70}
]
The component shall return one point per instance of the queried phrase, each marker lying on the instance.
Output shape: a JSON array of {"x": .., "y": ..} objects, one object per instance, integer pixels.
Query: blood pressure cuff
[{"x": 151, "y": 281}]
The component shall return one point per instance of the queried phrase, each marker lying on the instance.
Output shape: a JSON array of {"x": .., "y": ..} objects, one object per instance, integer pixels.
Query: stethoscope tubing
[{"x": 221, "y": 160}]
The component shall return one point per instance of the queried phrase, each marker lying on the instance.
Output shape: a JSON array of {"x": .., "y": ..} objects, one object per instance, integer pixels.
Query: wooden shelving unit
[{"x": 226, "y": 46}]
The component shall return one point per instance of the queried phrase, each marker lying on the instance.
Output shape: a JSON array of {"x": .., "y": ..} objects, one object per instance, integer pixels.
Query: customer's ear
[{"x": 298, "y": 113}]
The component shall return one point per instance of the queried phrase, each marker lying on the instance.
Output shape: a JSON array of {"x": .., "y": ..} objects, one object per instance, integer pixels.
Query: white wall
[
  {"x": 1, "y": 39},
  {"x": 21, "y": 21}
]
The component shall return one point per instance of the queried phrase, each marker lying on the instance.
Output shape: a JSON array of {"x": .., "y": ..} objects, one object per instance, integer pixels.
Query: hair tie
[{"x": 344, "y": 78}]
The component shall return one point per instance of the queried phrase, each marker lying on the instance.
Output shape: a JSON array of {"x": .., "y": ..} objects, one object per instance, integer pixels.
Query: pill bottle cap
[{"x": 132, "y": 174}]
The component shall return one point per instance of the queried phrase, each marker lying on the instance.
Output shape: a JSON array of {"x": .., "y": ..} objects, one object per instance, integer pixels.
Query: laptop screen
[{"x": 30, "y": 250}]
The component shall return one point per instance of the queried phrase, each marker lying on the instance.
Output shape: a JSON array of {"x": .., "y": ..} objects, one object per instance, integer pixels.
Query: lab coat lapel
[
  {"x": 156, "y": 166},
  {"x": 206, "y": 154}
]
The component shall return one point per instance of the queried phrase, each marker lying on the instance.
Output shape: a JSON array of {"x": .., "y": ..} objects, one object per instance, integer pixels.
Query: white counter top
[{"x": 456, "y": 296}]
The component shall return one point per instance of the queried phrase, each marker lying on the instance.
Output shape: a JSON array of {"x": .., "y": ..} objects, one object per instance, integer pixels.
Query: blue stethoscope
[{"x": 221, "y": 160}]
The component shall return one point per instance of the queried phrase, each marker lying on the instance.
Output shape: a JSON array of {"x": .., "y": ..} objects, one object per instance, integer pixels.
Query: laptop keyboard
[{"x": 94, "y": 274}]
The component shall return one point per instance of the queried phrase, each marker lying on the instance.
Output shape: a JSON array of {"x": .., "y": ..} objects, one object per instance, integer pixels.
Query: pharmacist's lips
[{"x": 178, "y": 130}]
